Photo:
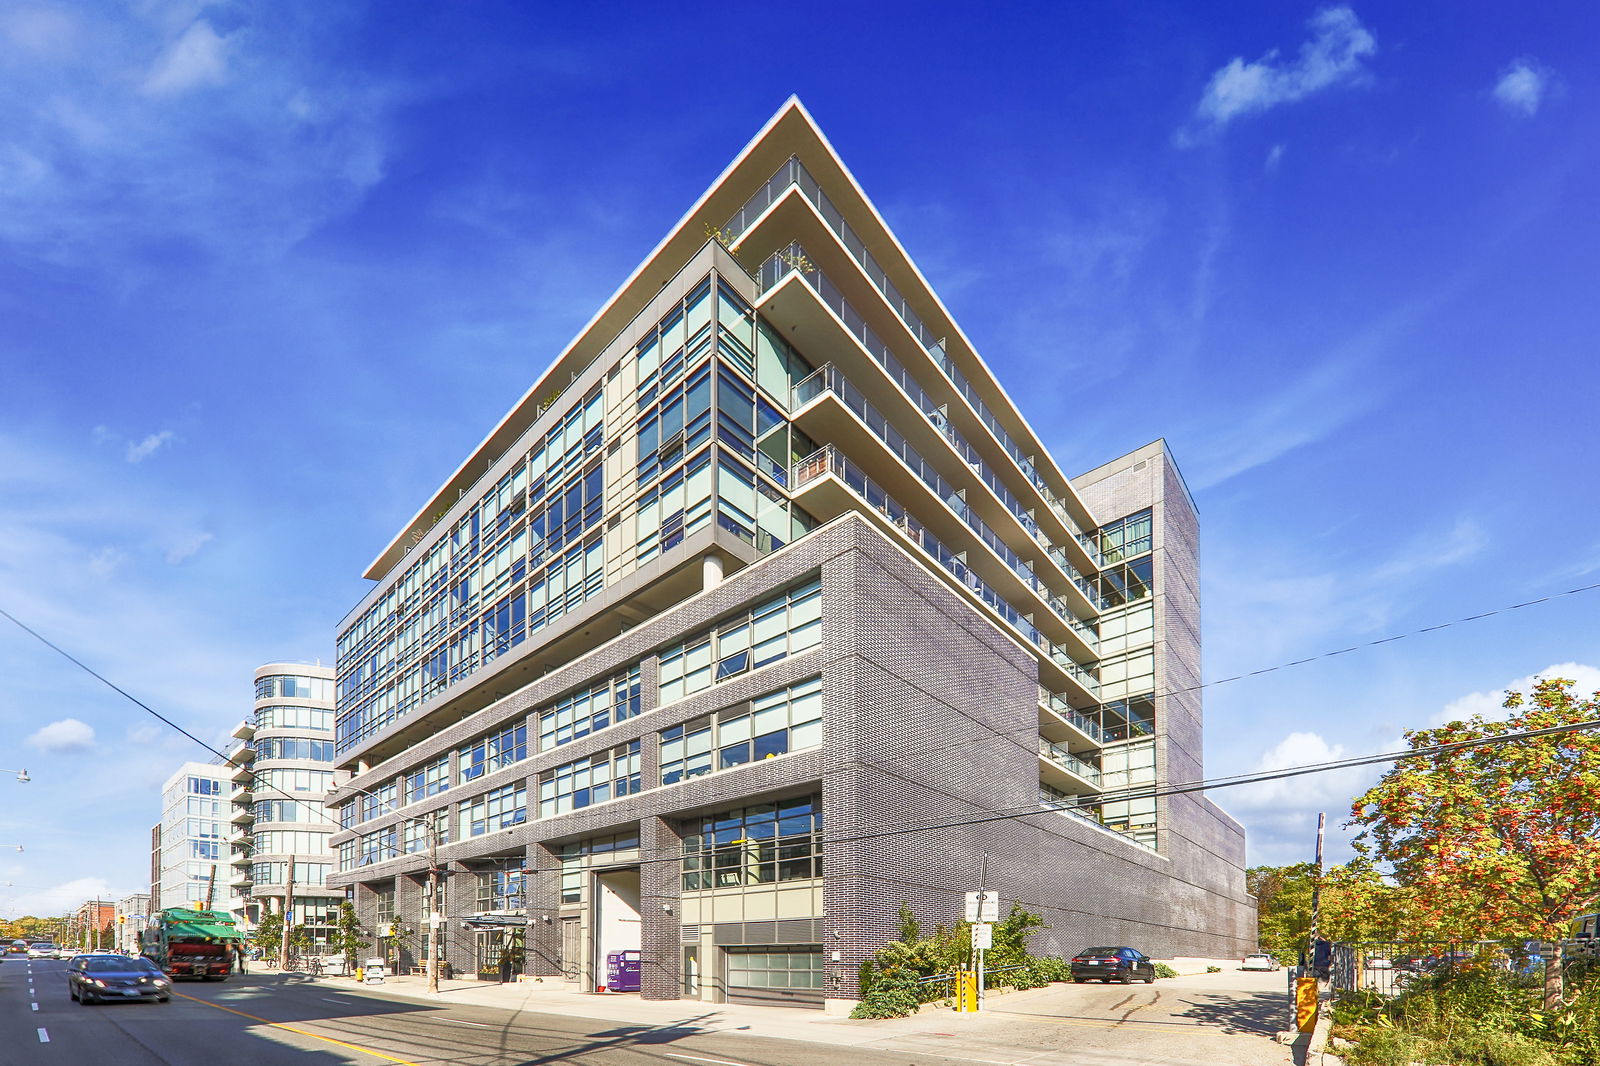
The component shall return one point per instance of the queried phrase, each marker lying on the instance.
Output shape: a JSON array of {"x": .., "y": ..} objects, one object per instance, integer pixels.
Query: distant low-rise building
[{"x": 132, "y": 916}]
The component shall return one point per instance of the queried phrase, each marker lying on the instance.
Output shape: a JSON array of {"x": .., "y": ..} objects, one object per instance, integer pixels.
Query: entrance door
[
  {"x": 571, "y": 949},
  {"x": 618, "y": 927}
]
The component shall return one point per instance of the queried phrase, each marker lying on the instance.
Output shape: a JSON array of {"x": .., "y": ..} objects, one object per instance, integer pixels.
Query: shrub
[
  {"x": 1213, "y": 969},
  {"x": 1163, "y": 970},
  {"x": 891, "y": 995}
]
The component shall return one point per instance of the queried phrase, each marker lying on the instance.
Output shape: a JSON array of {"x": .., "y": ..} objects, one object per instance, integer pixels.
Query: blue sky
[{"x": 268, "y": 271}]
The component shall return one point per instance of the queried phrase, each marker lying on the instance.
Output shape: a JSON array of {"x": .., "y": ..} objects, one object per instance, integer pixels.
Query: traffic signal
[{"x": 121, "y": 918}]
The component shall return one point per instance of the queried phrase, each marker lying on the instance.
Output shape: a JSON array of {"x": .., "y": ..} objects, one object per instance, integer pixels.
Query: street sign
[
  {"x": 982, "y": 936},
  {"x": 983, "y": 906},
  {"x": 288, "y": 916}
]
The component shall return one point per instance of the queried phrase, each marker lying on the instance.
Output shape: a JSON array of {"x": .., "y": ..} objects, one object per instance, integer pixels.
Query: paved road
[{"x": 272, "y": 1019}]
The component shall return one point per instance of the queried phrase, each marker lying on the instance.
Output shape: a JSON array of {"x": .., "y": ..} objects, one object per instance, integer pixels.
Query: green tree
[
  {"x": 1357, "y": 904},
  {"x": 1499, "y": 840},
  {"x": 269, "y": 935},
  {"x": 347, "y": 936}
]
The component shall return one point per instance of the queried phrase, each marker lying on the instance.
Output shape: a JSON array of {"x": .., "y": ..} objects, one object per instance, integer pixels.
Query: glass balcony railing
[
  {"x": 1058, "y": 705},
  {"x": 1062, "y": 757},
  {"x": 829, "y": 460},
  {"x": 829, "y": 378},
  {"x": 793, "y": 260},
  {"x": 792, "y": 172}
]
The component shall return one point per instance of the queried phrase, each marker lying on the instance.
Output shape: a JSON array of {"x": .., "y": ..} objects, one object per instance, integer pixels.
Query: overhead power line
[{"x": 1027, "y": 811}]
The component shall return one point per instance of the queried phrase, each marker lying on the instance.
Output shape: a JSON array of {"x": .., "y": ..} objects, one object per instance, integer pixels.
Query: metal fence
[
  {"x": 1386, "y": 967},
  {"x": 943, "y": 985}
]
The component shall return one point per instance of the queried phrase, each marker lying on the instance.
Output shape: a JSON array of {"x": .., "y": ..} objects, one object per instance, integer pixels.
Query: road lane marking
[
  {"x": 699, "y": 1058},
  {"x": 302, "y": 1032},
  {"x": 35, "y": 1006},
  {"x": 44, "y": 1036},
  {"x": 480, "y": 1025}
]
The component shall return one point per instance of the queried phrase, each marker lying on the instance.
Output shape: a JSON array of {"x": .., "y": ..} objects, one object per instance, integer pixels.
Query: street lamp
[
  {"x": 22, "y": 775},
  {"x": 435, "y": 913}
]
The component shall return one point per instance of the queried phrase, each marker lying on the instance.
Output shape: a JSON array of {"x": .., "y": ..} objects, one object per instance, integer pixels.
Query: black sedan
[
  {"x": 1113, "y": 964},
  {"x": 97, "y": 978}
]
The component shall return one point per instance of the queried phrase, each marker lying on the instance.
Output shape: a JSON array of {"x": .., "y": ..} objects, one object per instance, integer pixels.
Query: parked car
[
  {"x": 1123, "y": 964},
  {"x": 97, "y": 978},
  {"x": 1259, "y": 961}
]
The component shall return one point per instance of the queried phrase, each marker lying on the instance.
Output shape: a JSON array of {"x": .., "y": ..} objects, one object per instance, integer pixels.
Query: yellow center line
[{"x": 302, "y": 1032}]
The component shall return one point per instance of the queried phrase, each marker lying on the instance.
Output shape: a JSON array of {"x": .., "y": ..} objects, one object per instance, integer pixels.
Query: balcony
[
  {"x": 793, "y": 174},
  {"x": 244, "y": 730},
  {"x": 241, "y": 752},
  {"x": 828, "y": 484},
  {"x": 243, "y": 814},
  {"x": 1063, "y": 724},
  {"x": 241, "y": 774},
  {"x": 240, "y": 793},
  {"x": 239, "y": 857},
  {"x": 996, "y": 497},
  {"x": 1065, "y": 771}
]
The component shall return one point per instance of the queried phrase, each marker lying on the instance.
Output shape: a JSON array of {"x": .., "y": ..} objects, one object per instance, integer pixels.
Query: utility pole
[
  {"x": 435, "y": 913},
  {"x": 288, "y": 913},
  {"x": 1316, "y": 892}
]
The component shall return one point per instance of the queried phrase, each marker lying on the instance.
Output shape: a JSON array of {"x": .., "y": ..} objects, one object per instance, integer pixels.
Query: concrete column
[
  {"x": 660, "y": 900},
  {"x": 710, "y": 571}
]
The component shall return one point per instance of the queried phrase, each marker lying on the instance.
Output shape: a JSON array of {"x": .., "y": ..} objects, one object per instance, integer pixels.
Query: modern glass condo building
[
  {"x": 283, "y": 765},
  {"x": 763, "y": 612},
  {"x": 189, "y": 866}
]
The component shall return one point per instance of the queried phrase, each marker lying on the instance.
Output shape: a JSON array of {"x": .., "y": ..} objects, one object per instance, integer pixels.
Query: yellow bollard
[
  {"x": 1305, "y": 1004},
  {"x": 966, "y": 990}
]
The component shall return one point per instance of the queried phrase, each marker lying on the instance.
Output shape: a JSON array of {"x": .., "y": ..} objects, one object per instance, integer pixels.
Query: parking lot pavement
[{"x": 1221, "y": 1019}]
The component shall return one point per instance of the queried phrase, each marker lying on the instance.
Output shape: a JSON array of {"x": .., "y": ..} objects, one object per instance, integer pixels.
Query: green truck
[{"x": 189, "y": 943}]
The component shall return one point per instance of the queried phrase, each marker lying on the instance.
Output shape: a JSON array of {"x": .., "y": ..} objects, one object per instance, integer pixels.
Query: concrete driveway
[{"x": 1220, "y": 1019}]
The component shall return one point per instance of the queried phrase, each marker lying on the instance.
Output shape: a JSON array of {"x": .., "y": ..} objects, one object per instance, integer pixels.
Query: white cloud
[
  {"x": 1333, "y": 56},
  {"x": 69, "y": 734},
  {"x": 138, "y": 453},
  {"x": 63, "y": 898},
  {"x": 144, "y": 733},
  {"x": 1274, "y": 157},
  {"x": 1488, "y": 704},
  {"x": 105, "y": 561},
  {"x": 188, "y": 547},
  {"x": 194, "y": 59},
  {"x": 235, "y": 144},
  {"x": 1521, "y": 87},
  {"x": 42, "y": 31}
]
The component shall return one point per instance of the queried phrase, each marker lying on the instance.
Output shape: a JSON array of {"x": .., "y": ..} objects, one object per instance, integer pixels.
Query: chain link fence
[{"x": 1387, "y": 967}]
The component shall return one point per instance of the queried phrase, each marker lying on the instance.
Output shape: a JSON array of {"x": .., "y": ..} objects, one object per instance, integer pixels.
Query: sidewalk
[{"x": 551, "y": 996}]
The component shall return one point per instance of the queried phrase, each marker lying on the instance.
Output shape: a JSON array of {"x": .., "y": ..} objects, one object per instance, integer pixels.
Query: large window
[
  {"x": 291, "y": 687},
  {"x": 498, "y": 809},
  {"x": 294, "y": 748},
  {"x": 779, "y": 722},
  {"x": 493, "y": 752},
  {"x": 205, "y": 786},
  {"x": 1126, "y": 537},
  {"x": 500, "y": 890},
  {"x": 284, "y": 717},
  {"x": 377, "y": 802},
  {"x": 577, "y": 857},
  {"x": 414, "y": 834},
  {"x": 775, "y": 967},
  {"x": 1125, "y": 582},
  {"x": 383, "y": 905},
  {"x": 290, "y": 842},
  {"x": 290, "y": 811},
  {"x": 288, "y": 780},
  {"x": 589, "y": 711},
  {"x": 756, "y": 845},
  {"x": 598, "y": 778},
  {"x": 428, "y": 780},
  {"x": 776, "y": 629},
  {"x": 275, "y": 873}
]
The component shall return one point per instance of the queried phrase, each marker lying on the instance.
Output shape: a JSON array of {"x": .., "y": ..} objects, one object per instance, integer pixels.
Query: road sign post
[{"x": 983, "y": 909}]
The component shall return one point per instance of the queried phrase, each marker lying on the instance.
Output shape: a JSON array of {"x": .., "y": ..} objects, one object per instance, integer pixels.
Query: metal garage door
[{"x": 776, "y": 976}]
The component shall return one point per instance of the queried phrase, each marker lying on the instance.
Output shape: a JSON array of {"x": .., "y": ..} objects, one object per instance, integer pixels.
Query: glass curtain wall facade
[
  {"x": 193, "y": 863},
  {"x": 738, "y": 397}
]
